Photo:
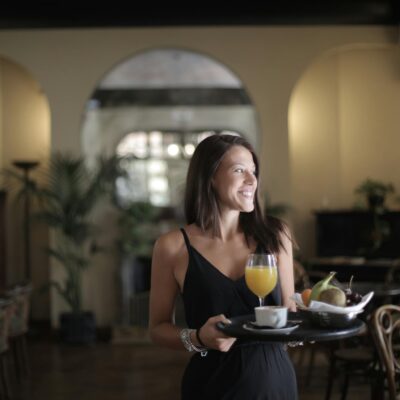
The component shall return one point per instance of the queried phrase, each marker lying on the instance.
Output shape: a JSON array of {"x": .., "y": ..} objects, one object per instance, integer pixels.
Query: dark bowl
[{"x": 325, "y": 319}]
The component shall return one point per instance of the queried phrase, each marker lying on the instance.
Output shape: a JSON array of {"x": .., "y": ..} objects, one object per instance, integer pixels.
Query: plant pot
[
  {"x": 78, "y": 328},
  {"x": 376, "y": 201}
]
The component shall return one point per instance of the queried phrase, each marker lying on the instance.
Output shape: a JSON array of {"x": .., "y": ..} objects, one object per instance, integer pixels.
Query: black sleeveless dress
[{"x": 249, "y": 370}]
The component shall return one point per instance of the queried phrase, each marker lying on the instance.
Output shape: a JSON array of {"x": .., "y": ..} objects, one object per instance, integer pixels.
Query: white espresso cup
[{"x": 272, "y": 316}]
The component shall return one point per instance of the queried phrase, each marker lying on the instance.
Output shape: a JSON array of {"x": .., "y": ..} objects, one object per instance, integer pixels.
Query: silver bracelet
[
  {"x": 184, "y": 334},
  {"x": 295, "y": 344}
]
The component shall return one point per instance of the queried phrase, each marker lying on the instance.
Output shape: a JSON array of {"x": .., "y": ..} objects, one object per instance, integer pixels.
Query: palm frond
[{"x": 67, "y": 199}]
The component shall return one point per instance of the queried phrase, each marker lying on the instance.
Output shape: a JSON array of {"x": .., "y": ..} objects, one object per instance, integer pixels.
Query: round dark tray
[{"x": 306, "y": 332}]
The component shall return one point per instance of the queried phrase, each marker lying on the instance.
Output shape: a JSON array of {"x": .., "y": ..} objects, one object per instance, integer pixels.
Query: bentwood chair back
[
  {"x": 19, "y": 325},
  {"x": 385, "y": 327},
  {"x": 6, "y": 311}
]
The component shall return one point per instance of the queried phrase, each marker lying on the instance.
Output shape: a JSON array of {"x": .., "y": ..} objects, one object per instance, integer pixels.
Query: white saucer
[{"x": 254, "y": 327}]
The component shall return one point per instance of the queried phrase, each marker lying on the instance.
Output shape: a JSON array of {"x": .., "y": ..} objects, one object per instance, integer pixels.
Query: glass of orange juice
[{"x": 261, "y": 274}]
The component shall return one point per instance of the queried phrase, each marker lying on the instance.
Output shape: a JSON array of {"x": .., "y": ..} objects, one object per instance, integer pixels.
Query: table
[
  {"x": 384, "y": 293},
  {"x": 304, "y": 333}
]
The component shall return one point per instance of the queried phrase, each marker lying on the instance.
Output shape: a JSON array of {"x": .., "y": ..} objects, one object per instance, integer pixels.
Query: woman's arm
[
  {"x": 285, "y": 265},
  {"x": 167, "y": 254},
  {"x": 163, "y": 291}
]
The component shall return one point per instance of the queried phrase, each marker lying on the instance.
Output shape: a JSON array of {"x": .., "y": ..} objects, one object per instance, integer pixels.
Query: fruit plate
[
  {"x": 326, "y": 319},
  {"x": 318, "y": 306}
]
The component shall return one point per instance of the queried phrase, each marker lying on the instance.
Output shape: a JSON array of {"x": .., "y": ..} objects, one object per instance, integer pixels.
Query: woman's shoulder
[
  {"x": 283, "y": 231},
  {"x": 170, "y": 242}
]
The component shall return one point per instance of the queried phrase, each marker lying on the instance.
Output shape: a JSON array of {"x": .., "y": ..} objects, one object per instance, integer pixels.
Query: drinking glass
[{"x": 261, "y": 274}]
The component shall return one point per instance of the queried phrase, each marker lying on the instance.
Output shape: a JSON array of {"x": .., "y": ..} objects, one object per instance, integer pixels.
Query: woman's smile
[{"x": 235, "y": 181}]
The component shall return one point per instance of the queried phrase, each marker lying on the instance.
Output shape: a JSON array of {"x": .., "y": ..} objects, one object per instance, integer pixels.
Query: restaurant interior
[{"x": 101, "y": 110}]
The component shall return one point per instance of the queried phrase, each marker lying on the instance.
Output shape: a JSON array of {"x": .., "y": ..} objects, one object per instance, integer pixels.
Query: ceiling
[{"x": 118, "y": 13}]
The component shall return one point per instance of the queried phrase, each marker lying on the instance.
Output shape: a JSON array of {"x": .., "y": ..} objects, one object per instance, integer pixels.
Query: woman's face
[{"x": 235, "y": 182}]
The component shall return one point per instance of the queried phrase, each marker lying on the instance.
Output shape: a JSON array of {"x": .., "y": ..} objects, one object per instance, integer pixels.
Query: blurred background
[{"x": 102, "y": 107}]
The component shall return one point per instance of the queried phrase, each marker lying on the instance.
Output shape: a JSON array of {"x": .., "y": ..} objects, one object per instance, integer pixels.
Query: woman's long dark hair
[{"x": 201, "y": 204}]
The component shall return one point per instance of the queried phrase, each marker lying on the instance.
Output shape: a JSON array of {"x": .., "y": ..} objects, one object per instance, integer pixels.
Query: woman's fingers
[{"x": 214, "y": 338}]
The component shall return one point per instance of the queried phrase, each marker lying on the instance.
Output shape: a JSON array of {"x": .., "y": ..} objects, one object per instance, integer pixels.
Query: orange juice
[{"x": 261, "y": 280}]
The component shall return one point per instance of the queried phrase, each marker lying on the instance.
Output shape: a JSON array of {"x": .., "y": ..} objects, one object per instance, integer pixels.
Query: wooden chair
[
  {"x": 385, "y": 328},
  {"x": 306, "y": 354},
  {"x": 18, "y": 329},
  {"x": 393, "y": 277},
  {"x": 352, "y": 357},
  {"x": 6, "y": 310}
]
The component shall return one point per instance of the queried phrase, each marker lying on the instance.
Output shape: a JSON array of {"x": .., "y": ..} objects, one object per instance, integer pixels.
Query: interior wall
[
  {"x": 268, "y": 60},
  {"x": 344, "y": 128},
  {"x": 370, "y": 118},
  {"x": 1, "y": 122},
  {"x": 25, "y": 129},
  {"x": 314, "y": 148}
]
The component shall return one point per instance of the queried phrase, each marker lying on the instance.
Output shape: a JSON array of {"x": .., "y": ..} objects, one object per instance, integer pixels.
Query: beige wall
[
  {"x": 344, "y": 127},
  {"x": 370, "y": 117},
  {"x": 268, "y": 60},
  {"x": 314, "y": 148},
  {"x": 25, "y": 135}
]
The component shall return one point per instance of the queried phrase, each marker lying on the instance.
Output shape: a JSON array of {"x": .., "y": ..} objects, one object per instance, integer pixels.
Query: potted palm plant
[
  {"x": 66, "y": 201},
  {"x": 138, "y": 231},
  {"x": 375, "y": 193}
]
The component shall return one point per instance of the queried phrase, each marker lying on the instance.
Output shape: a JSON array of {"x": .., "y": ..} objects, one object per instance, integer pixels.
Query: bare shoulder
[
  {"x": 284, "y": 233},
  {"x": 169, "y": 244}
]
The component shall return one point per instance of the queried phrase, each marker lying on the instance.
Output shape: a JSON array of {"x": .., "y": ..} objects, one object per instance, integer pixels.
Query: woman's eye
[{"x": 240, "y": 170}]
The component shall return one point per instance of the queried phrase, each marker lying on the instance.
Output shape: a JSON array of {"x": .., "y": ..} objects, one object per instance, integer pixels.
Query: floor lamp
[{"x": 26, "y": 167}]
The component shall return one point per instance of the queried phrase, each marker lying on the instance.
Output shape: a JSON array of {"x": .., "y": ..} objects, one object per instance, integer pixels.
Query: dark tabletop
[{"x": 306, "y": 332}]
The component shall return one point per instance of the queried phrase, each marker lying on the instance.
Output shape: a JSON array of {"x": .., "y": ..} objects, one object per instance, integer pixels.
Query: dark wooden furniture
[
  {"x": 362, "y": 269},
  {"x": 345, "y": 244},
  {"x": 350, "y": 233}
]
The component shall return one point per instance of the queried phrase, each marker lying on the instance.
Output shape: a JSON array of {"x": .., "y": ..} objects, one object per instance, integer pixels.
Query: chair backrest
[
  {"x": 6, "y": 312},
  {"x": 385, "y": 329},
  {"x": 20, "y": 318}
]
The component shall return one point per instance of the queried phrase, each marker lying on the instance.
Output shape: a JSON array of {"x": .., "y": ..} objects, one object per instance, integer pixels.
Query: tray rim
[{"x": 306, "y": 332}]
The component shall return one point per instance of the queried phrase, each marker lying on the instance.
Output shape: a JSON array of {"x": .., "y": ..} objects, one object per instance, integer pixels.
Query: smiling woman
[{"x": 205, "y": 262}]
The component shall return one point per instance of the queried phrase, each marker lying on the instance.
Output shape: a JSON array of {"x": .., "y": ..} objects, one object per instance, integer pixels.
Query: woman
[{"x": 205, "y": 261}]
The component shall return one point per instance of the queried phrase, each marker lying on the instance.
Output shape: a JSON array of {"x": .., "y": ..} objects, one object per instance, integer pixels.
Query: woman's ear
[{"x": 212, "y": 183}]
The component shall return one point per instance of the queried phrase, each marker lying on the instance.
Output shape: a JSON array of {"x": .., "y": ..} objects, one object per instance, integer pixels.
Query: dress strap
[{"x": 186, "y": 237}]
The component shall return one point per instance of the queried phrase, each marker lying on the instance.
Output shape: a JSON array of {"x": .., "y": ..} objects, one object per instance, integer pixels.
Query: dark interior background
[{"x": 51, "y": 14}]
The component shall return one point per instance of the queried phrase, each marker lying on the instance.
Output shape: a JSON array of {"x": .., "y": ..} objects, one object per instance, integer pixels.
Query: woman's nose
[{"x": 250, "y": 178}]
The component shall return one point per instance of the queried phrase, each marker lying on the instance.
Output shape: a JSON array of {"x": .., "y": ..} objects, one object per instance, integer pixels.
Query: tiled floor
[{"x": 140, "y": 372}]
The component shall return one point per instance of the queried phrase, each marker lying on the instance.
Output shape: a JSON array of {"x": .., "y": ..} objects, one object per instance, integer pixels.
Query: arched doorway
[{"x": 156, "y": 106}]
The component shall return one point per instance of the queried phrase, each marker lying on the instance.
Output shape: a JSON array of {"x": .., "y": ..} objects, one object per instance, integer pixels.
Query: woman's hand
[{"x": 214, "y": 338}]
